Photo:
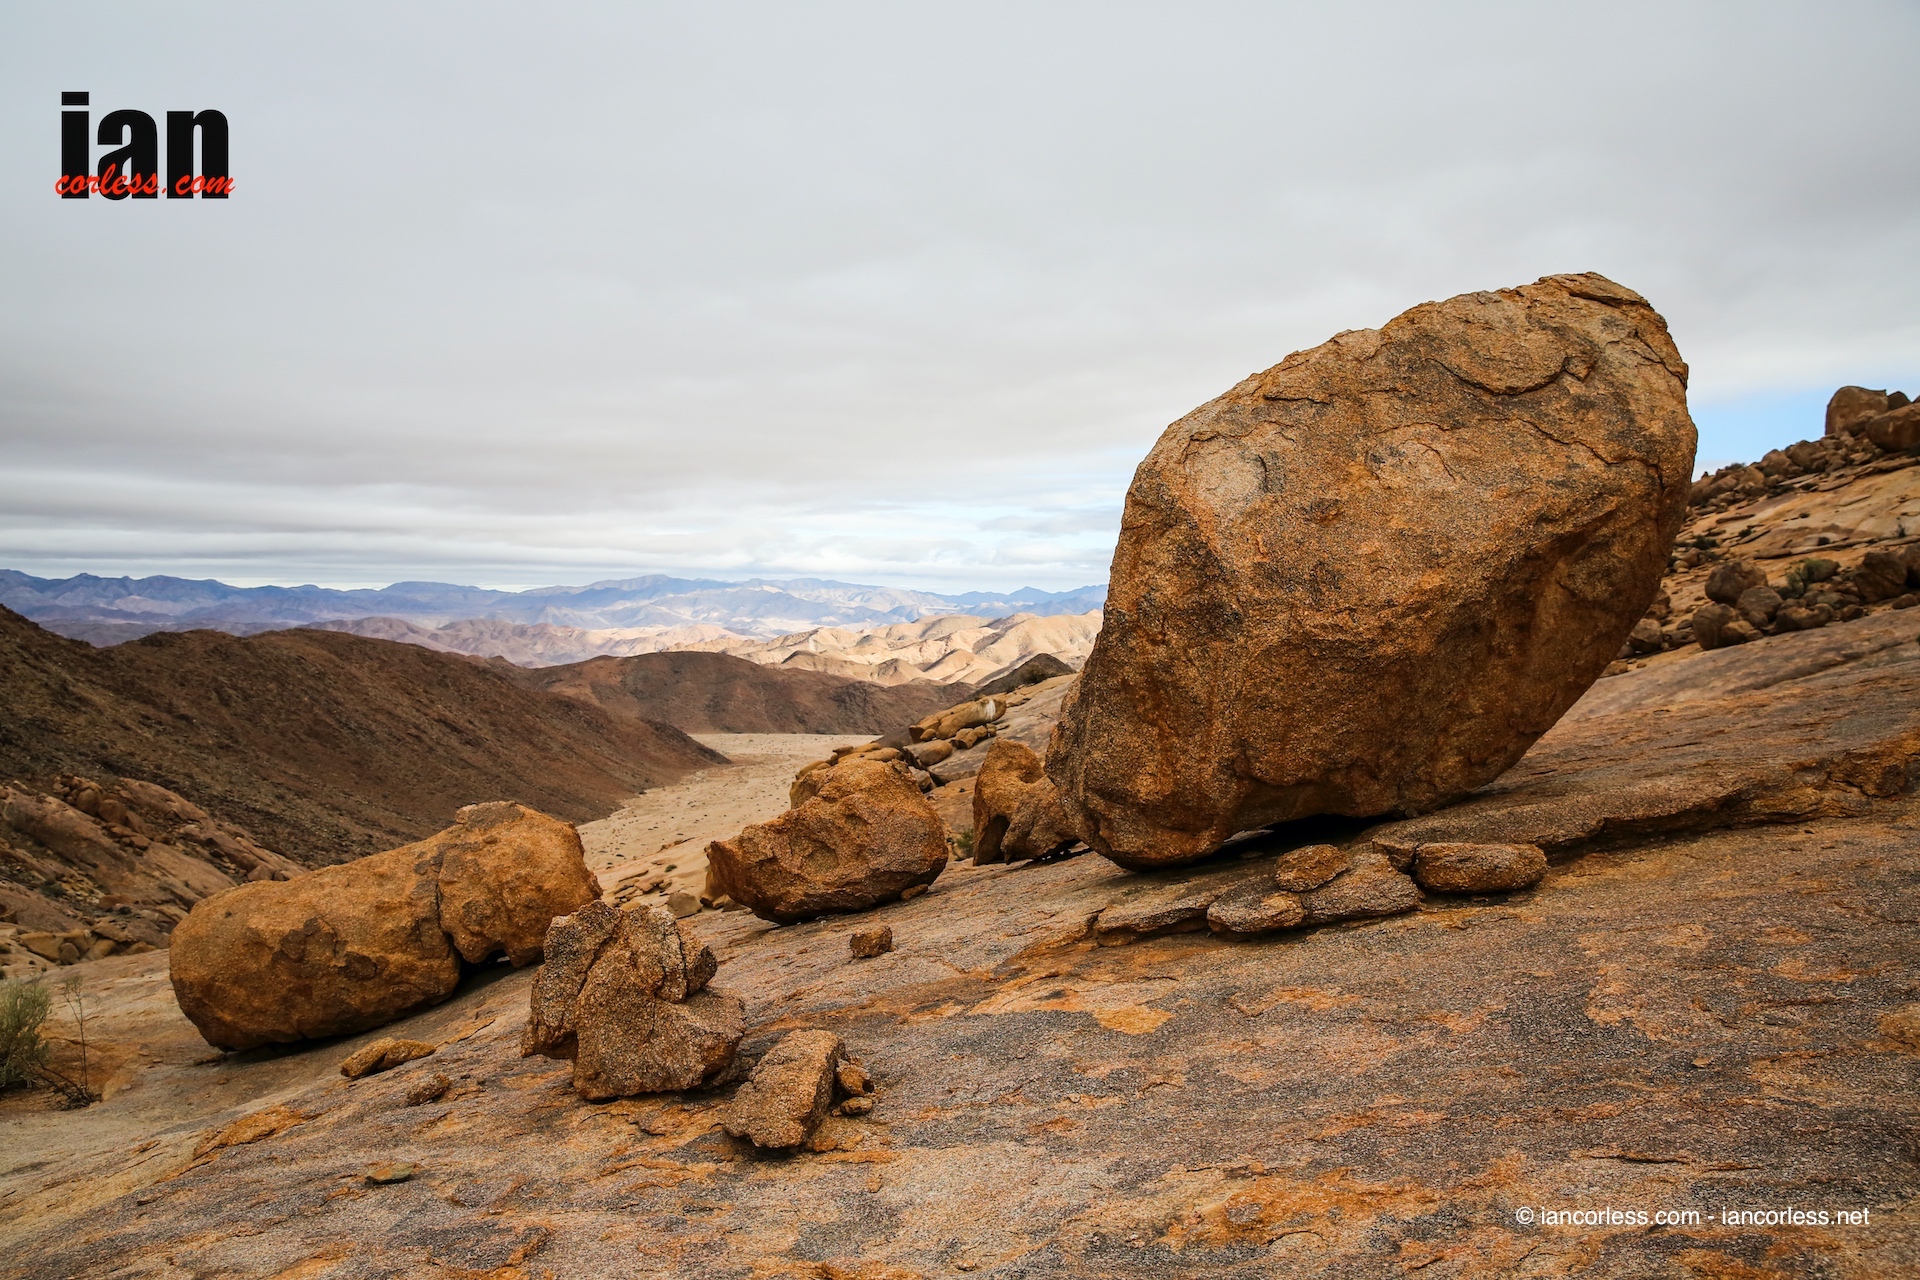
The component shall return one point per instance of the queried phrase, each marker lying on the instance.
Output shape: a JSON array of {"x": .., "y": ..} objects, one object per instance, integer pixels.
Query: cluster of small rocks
[{"x": 1744, "y": 605}]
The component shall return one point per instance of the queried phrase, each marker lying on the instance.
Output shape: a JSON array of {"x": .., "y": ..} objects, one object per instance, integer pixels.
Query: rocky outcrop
[
  {"x": 353, "y": 946},
  {"x": 863, "y": 836},
  {"x": 1016, "y": 811},
  {"x": 1368, "y": 579},
  {"x": 623, "y": 997},
  {"x": 790, "y": 1091}
]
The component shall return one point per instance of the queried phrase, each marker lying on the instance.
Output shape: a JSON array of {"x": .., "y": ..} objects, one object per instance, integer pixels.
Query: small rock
[
  {"x": 1646, "y": 637},
  {"x": 1299, "y": 870},
  {"x": 853, "y": 1078},
  {"x": 1758, "y": 605},
  {"x": 383, "y": 1055},
  {"x": 1255, "y": 906},
  {"x": 431, "y": 1089},
  {"x": 1795, "y": 617},
  {"x": 865, "y": 944},
  {"x": 1137, "y": 920},
  {"x": 682, "y": 904},
  {"x": 789, "y": 1092},
  {"x": 1478, "y": 868},
  {"x": 1370, "y": 888},
  {"x": 856, "y": 1106},
  {"x": 911, "y": 892},
  {"x": 1731, "y": 579},
  {"x": 391, "y": 1171}
]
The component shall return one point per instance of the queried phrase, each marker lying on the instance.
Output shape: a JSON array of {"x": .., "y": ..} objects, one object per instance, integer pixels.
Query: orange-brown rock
[
  {"x": 789, "y": 1092},
  {"x": 342, "y": 949},
  {"x": 1478, "y": 868},
  {"x": 506, "y": 871},
  {"x": 1016, "y": 811},
  {"x": 864, "y": 836},
  {"x": 623, "y": 996},
  {"x": 353, "y": 946},
  {"x": 1851, "y": 408},
  {"x": 1366, "y": 580}
]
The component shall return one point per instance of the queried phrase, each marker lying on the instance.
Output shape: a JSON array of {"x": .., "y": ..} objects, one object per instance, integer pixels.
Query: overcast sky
[{"x": 891, "y": 293}]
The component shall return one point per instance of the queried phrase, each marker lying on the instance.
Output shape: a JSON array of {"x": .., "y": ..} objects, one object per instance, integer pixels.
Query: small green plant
[
  {"x": 23, "y": 1050},
  {"x": 76, "y": 1093},
  {"x": 964, "y": 842}
]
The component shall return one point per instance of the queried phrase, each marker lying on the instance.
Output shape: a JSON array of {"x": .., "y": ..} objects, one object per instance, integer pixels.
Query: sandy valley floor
[{"x": 660, "y": 838}]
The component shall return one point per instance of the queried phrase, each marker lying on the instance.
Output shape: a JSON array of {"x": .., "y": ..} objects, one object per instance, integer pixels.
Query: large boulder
[
  {"x": 623, "y": 997},
  {"x": 863, "y": 836},
  {"x": 505, "y": 872},
  {"x": 1366, "y": 580},
  {"x": 350, "y": 947},
  {"x": 1852, "y": 408},
  {"x": 338, "y": 950},
  {"x": 1016, "y": 811}
]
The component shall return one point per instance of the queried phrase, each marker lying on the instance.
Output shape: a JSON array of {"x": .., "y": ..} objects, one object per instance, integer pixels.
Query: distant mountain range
[{"x": 110, "y": 610}]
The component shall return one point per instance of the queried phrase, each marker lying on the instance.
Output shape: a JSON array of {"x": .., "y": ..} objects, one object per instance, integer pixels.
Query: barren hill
[
  {"x": 719, "y": 693},
  {"x": 323, "y": 746}
]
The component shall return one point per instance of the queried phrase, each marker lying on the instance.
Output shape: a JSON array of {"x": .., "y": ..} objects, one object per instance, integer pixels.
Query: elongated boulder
[
  {"x": 350, "y": 947},
  {"x": 1366, "y": 580},
  {"x": 338, "y": 950},
  {"x": 864, "y": 836}
]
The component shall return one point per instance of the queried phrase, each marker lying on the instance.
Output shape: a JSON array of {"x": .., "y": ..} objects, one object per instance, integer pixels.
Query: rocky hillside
[
  {"x": 156, "y": 772},
  {"x": 954, "y": 649},
  {"x": 719, "y": 693},
  {"x": 1820, "y": 532}
]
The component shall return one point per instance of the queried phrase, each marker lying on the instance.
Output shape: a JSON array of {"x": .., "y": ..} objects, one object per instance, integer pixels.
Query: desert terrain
[{"x": 1464, "y": 850}]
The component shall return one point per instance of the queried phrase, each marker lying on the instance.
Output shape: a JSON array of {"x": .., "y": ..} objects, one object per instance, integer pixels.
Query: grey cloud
[{"x": 862, "y": 290}]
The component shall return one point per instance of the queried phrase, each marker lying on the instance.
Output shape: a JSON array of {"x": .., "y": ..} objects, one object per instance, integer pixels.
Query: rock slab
[
  {"x": 1366, "y": 580},
  {"x": 790, "y": 1091}
]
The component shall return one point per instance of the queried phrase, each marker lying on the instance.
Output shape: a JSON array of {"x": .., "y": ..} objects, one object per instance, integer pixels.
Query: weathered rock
[
  {"x": 946, "y": 723},
  {"x": 1138, "y": 920},
  {"x": 349, "y": 947},
  {"x": 1368, "y": 579},
  {"x": 1851, "y": 408},
  {"x": 506, "y": 872},
  {"x": 1897, "y": 431},
  {"x": 383, "y": 1054},
  {"x": 1882, "y": 575},
  {"x": 431, "y": 1089},
  {"x": 865, "y": 944},
  {"x": 1713, "y": 626},
  {"x": 1646, "y": 637},
  {"x": 1299, "y": 870},
  {"x": 1370, "y": 887},
  {"x": 338, "y": 950},
  {"x": 622, "y": 995},
  {"x": 1758, "y": 605},
  {"x": 789, "y": 1092},
  {"x": 862, "y": 838},
  {"x": 1255, "y": 907},
  {"x": 1016, "y": 811},
  {"x": 1732, "y": 579},
  {"x": 1478, "y": 868},
  {"x": 1795, "y": 617},
  {"x": 928, "y": 754}
]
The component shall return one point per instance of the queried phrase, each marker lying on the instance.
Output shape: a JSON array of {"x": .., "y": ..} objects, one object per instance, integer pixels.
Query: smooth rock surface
[
  {"x": 1366, "y": 580},
  {"x": 864, "y": 836}
]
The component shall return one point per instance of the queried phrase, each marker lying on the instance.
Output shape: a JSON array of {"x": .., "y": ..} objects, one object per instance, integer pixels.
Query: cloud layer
[{"x": 887, "y": 294}]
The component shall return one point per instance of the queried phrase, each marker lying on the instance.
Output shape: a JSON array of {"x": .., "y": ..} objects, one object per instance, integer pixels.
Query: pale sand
[{"x": 670, "y": 826}]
